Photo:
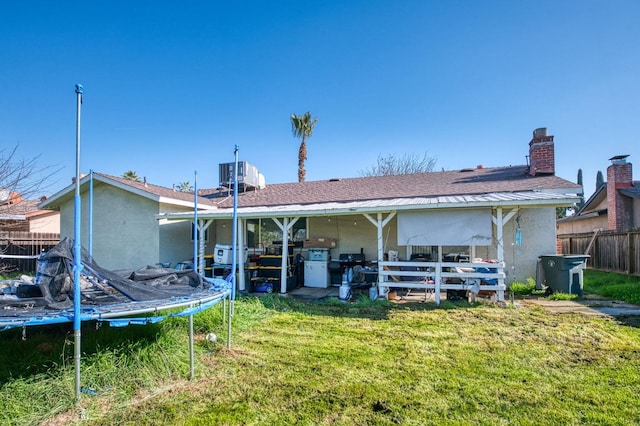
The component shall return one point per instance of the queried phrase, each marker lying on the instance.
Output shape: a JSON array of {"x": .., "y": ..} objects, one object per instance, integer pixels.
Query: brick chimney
[
  {"x": 542, "y": 159},
  {"x": 619, "y": 207}
]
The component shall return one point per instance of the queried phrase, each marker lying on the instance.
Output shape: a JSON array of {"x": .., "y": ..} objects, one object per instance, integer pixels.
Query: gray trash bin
[{"x": 563, "y": 272}]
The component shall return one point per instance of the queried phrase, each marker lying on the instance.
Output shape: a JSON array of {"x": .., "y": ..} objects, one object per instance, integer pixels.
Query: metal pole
[
  {"x": 195, "y": 267},
  {"x": 195, "y": 222},
  {"x": 77, "y": 253},
  {"x": 90, "y": 224},
  {"x": 234, "y": 238},
  {"x": 191, "y": 356}
]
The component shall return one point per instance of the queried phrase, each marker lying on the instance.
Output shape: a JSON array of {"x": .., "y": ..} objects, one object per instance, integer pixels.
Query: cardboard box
[{"x": 320, "y": 243}]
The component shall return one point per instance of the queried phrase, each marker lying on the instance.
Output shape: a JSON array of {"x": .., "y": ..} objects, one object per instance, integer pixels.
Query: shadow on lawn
[
  {"x": 49, "y": 347},
  {"x": 629, "y": 320},
  {"x": 358, "y": 307}
]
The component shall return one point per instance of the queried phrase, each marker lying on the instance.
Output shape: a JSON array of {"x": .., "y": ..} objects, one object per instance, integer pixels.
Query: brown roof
[
  {"x": 465, "y": 182},
  {"x": 159, "y": 191},
  {"x": 23, "y": 207}
]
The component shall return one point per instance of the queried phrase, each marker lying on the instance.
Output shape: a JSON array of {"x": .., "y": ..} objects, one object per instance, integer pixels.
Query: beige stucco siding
[
  {"x": 538, "y": 238},
  {"x": 49, "y": 222},
  {"x": 176, "y": 244},
  {"x": 125, "y": 231},
  {"x": 577, "y": 226},
  {"x": 353, "y": 233}
]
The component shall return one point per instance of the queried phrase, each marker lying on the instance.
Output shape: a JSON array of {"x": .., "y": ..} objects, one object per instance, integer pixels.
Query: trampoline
[
  {"x": 119, "y": 298},
  {"x": 70, "y": 286}
]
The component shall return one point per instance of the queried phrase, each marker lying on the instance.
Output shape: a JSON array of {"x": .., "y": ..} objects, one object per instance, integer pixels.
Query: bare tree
[
  {"x": 400, "y": 165},
  {"x": 22, "y": 183},
  {"x": 22, "y": 178}
]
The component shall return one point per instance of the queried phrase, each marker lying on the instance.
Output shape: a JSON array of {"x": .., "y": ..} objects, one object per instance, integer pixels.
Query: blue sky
[{"x": 172, "y": 87}]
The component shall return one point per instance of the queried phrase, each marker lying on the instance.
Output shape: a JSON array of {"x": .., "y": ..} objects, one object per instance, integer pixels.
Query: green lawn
[
  {"x": 612, "y": 285},
  {"x": 364, "y": 363}
]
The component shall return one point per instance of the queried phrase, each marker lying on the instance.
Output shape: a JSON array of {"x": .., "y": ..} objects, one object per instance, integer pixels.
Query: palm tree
[
  {"x": 185, "y": 187},
  {"x": 131, "y": 175},
  {"x": 302, "y": 127}
]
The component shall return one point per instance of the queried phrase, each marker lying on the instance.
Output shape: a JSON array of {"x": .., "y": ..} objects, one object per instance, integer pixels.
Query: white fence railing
[{"x": 438, "y": 276}]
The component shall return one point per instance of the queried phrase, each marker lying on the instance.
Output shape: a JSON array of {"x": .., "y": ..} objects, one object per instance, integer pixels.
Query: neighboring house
[
  {"x": 502, "y": 213},
  {"x": 614, "y": 206},
  {"x": 18, "y": 214},
  {"x": 126, "y": 233}
]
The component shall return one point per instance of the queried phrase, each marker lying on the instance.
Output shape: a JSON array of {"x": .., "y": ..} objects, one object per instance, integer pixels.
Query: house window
[{"x": 262, "y": 232}]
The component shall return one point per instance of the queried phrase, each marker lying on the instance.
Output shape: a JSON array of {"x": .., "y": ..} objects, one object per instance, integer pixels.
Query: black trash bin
[{"x": 563, "y": 272}]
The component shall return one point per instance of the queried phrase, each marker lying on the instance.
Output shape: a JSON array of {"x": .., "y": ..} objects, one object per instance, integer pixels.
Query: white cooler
[{"x": 316, "y": 274}]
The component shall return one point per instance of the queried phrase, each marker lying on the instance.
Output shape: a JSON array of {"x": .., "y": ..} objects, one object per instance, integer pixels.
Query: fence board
[
  {"x": 23, "y": 243},
  {"x": 609, "y": 251}
]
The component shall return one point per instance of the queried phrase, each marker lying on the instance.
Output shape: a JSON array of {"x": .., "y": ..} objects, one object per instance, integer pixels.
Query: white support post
[
  {"x": 438, "y": 280},
  {"x": 499, "y": 236},
  {"x": 285, "y": 227},
  {"x": 500, "y": 248},
  {"x": 285, "y": 256},
  {"x": 203, "y": 225},
  {"x": 379, "y": 223}
]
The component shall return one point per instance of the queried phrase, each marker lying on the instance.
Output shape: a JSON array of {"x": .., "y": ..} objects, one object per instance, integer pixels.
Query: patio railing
[{"x": 474, "y": 277}]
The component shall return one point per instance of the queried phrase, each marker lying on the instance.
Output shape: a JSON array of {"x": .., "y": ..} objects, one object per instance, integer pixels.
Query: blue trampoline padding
[
  {"x": 120, "y": 298},
  {"x": 120, "y": 315}
]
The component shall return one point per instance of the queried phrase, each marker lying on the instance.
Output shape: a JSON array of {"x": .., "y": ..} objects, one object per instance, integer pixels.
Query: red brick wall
[
  {"x": 619, "y": 207},
  {"x": 542, "y": 156}
]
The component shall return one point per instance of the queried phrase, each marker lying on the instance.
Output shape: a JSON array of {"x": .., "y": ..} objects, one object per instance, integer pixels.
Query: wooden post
[{"x": 630, "y": 254}]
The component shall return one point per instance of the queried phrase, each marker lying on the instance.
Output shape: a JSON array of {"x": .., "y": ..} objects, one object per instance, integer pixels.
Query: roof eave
[{"x": 353, "y": 208}]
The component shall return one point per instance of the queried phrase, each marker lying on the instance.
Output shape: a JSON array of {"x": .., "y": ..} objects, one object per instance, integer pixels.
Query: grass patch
[
  {"x": 612, "y": 285},
  {"x": 523, "y": 289},
  {"x": 355, "y": 363},
  {"x": 562, "y": 296}
]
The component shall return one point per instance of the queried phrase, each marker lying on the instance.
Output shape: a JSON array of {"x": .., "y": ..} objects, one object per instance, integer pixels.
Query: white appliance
[
  {"x": 316, "y": 274},
  {"x": 222, "y": 254}
]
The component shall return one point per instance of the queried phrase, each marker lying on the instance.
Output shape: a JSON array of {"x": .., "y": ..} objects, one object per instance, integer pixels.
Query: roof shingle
[{"x": 432, "y": 184}]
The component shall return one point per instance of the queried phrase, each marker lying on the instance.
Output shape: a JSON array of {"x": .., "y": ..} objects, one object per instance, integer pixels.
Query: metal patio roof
[{"x": 505, "y": 199}]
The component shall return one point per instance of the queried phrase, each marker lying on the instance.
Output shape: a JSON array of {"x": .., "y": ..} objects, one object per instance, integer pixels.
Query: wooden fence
[
  {"x": 609, "y": 250},
  {"x": 22, "y": 243}
]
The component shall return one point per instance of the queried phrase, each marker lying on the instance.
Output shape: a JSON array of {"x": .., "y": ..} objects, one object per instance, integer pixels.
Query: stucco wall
[
  {"x": 538, "y": 238},
  {"x": 577, "y": 226},
  {"x": 353, "y": 233},
  {"x": 176, "y": 244},
  {"x": 45, "y": 223},
  {"x": 125, "y": 231}
]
